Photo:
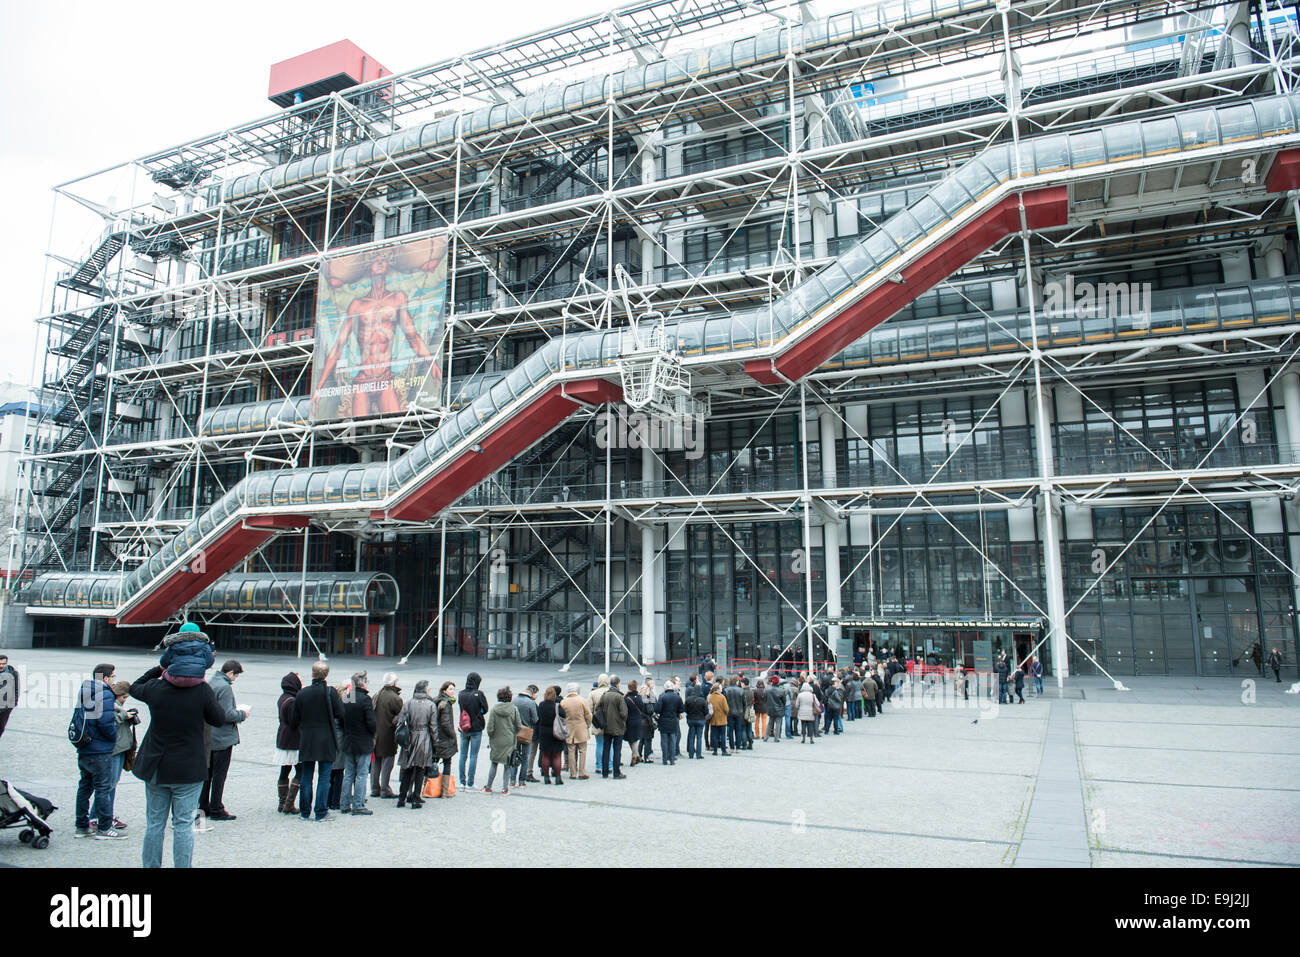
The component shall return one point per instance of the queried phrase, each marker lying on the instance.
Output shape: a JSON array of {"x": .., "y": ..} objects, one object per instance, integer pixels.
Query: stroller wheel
[
  {"x": 42, "y": 842},
  {"x": 26, "y": 835}
]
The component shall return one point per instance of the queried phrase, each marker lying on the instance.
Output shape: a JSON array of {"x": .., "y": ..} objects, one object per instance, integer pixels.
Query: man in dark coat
[
  {"x": 615, "y": 707},
  {"x": 318, "y": 719},
  {"x": 8, "y": 691},
  {"x": 1274, "y": 662},
  {"x": 173, "y": 759},
  {"x": 221, "y": 748},
  {"x": 388, "y": 705},
  {"x": 359, "y": 726},
  {"x": 696, "y": 707},
  {"x": 669, "y": 708}
]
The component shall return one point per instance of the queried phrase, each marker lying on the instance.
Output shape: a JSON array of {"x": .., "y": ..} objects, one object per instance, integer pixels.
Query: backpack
[
  {"x": 79, "y": 729},
  {"x": 598, "y": 714},
  {"x": 465, "y": 724}
]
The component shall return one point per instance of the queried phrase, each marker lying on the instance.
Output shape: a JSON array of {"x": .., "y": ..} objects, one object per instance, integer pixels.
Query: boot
[
  {"x": 283, "y": 788},
  {"x": 291, "y": 799},
  {"x": 417, "y": 789},
  {"x": 404, "y": 787}
]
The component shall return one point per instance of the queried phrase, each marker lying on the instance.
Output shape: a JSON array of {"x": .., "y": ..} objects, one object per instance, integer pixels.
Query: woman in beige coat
[{"x": 577, "y": 715}]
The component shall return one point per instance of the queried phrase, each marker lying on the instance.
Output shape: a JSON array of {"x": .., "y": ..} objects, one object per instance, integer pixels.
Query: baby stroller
[{"x": 20, "y": 809}]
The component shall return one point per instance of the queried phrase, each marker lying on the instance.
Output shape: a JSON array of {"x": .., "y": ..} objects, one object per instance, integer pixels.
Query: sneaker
[
  {"x": 119, "y": 824},
  {"x": 487, "y": 790},
  {"x": 361, "y": 811},
  {"x": 112, "y": 834},
  {"x": 221, "y": 816},
  {"x": 346, "y": 810},
  {"x": 82, "y": 832}
]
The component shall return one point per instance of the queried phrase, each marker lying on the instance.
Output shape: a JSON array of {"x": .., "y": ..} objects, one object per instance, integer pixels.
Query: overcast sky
[{"x": 85, "y": 85}]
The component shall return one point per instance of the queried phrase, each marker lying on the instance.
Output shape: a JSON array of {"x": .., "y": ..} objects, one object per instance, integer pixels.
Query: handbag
[
  {"x": 525, "y": 735},
  {"x": 598, "y": 716},
  {"x": 560, "y": 727},
  {"x": 515, "y": 759},
  {"x": 402, "y": 736}
]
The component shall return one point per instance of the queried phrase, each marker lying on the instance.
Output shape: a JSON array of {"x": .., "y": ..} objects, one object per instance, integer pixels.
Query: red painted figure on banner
[{"x": 373, "y": 321}]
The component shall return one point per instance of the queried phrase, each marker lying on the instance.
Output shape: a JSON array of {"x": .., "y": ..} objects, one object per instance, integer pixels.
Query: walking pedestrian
[
  {"x": 419, "y": 715},
  {"x": 549, "y": 747},
  {"x": 286, "y": 745},
  {"x": 1037, "y": 671},
  {"x": 473, "y": 717},
  {"x": 1020, "y": 684},
  {"x": 1274, "y": 662},
  {"x": 8, "y": 691},
  {"x": 578, "y": 716},
  {"x": 172, "y": 760},
  {"x": 222, "y": 746},
  {"x": 360, "y": 725},
  {"x": 318, "y": 718},
  {"x": 503, "y": 726},
  {"x": 388, "y": 705}
]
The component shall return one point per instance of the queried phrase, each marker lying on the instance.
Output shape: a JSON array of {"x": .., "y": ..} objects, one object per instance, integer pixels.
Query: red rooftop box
[{"x": 326, "y": 70}]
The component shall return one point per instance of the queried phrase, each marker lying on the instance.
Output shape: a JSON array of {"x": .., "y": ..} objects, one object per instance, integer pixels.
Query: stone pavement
[{"x": 1176, "y": 772}]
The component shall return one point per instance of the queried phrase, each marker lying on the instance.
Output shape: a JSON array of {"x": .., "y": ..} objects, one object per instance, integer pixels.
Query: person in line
[
  {"x": 750, "y": 712},
  {"x": 696, "y": 708},
  {"x": 318, "y": 718},
  {"x": 360, "y": 726},
  {"x": 614, "y": 705},
  {"x": 222, "y": 746},
  {"x": 286, "y": 745},
  {"x": 473, "y": 719},
  {"x": 760, "y": 710},
  {"x": 124, "y": 750},
  {"x": 668, "y": 709},
  {"x": 735, "y": 696},
  {"x": 388, "y": 705},
  {"x": 1004, "y": 673},
  {"x": 8, "y": 691},
  {"x": 173, "y": 758},
  {"x": 335, "y": 802},
  {"x": 549, "y": 747},
  {"x": 578, "y": 716},
  {"x": 502, "y": 727},
  {"x": 636, "y": 716},
  {"x": 1274, "y": 662},
  {"x": 444, "y": 742},
  {"x": 774, "y": 701},
  {"x": 806, "y": 706},
  {"x": 526, "y": 705},
  {"x": 593, "y": 699},
  {"x": 834, "y": 706},
  {"x": 419, "y": 714},
  {"x": 649, "y": 698},
  {"x": 94, "y": 713},
  {"x": 718, "y": 719},
  {"x": 867, "y": 689}
]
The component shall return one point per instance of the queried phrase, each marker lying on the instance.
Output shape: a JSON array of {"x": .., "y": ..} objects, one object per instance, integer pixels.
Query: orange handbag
[{"x": 433, "y": 786}]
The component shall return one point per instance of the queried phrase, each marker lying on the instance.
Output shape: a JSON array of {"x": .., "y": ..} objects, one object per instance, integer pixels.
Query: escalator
[{"x": 996, "y": 194}]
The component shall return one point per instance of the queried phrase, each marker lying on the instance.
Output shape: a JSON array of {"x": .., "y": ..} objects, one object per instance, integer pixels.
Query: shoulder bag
[{"x": 560, "y": 727}]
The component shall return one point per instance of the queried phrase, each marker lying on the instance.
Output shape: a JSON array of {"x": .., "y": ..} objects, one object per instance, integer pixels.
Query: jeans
[
  {"x": 668, "y": 744},
  {"x": 356, "y": 768},
  {"x": 214, "y": 788},
  {"x": 612, "y": 742},
  {"x": 97, "y": 784},
  {"x": 115, "y": 775},
  {"x": 505, "y": 776},
  {"x": 718, "y": 740},
  {"x": 735, "y": 731},
  {"x": 323, "y": 771},
  {"x": 602, "y": 762},
  {"x": 788, "y": 730},
  {"x": 774, "y": 723},
  {"x": 694, "y": 738},
  {"x": 1002, "y": 692},
  {"x": 1038, "y": 684},
  {"x": 469, "y": 742},
  {"x": 182, "y": 800},
  {"x": 647, "y": 745}
]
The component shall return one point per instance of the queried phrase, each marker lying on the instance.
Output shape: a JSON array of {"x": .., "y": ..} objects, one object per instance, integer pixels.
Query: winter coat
[
  {"x": 577, "y": 715},
  {"x": 502, "y": 725},
  {"x": 806, "y": 705},
  {"x": 475, "y": 702},
  {"x": 445, "y": 746},
  {"x": 126, "y": 723},
  {"x": 317, "y": 710},
  {"x": 545, "y": 738},
  {"x": 173, "y": 751},
  {"x": 735, "y": 696},
  {"x": 760, "y": 701},
  {"x": 636, "y": 715},
  {"x": 593, "y": 700},
  {"x": 186, "y": 657},
  {"x": 776, "y": 699},
  {"x": 226, "y": 736},
  {"x": 720, "y": 709},
  {"x": 96, "y": 701},
  {"x": 287, "y": 737},
  {"x": 669, "y": 708},
  {"x": 359, "y": 723},
  {"x": 421, "y": 712},
  {"x": 854, "y": 689},
  {"x": 615, "y": 708},
  {"x": 388, "y": 705},
  {"x": 526, "y": 705},
  {"x": 696, "y": 705},
  {"x": 834, "y": 699},
  {"x": 1020, "y": 680},
  {"x": 868, "y": 689}
]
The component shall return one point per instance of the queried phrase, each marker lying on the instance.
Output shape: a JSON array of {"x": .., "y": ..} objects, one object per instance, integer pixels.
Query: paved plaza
[{"x": 1176, "y": 772}]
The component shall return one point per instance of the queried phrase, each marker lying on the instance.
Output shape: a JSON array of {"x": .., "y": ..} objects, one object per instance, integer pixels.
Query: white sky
[{"x": 85, "y": 85}]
